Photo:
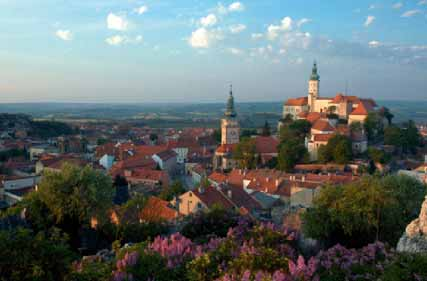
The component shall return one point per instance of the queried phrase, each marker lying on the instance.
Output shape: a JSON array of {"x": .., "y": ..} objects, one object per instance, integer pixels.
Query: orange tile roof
[
  {"x": 156, "y": 209},
  {"x": 211, "y": 196},
  {"x": 323, "y": 125},
  {"x": 218, "y": 177},
  {"x": 363, "y": 108},
  {"x": 149, "y": 150},
  {"x": 322, "y": 137},
  {"x": 297, "y": 102}
]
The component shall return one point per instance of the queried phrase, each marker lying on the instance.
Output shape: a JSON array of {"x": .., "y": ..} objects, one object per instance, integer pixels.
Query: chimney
[
  {"x": 303, "y": 178},
  {"x": 229, "y": 193},
  {"x": 277, "y": 183},
  {"x": 201, "y": 189}
]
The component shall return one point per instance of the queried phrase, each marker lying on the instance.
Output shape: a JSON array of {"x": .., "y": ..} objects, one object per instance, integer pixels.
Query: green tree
[
  {"x": 374, "y": 127},
  {"x": 385, "y": 113},
  {"x": 266, "y": 130},
  {"x": 338, "y": 150},
  {"x": 172, "y": 191},
  {"x": 291, "y": 152},
  {"x": 298, "y": 129},
  {"x": 29, "y": 256},
  {"x": 393, "y": 136},
  {"x": 361, "y": 212},
  {"x": 245, "y": 154}
]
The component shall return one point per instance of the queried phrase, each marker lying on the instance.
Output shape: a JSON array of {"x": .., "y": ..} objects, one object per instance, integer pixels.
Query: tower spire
[
  {"x": 314, "y": 75},
  {"x": 230, "y": 111}
]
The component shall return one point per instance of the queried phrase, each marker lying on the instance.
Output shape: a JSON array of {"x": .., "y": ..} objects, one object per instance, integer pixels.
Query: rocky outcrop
[{"x": 414, "y": 240}]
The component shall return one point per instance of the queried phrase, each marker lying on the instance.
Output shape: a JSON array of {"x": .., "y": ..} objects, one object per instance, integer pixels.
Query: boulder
[{"x": 414, "y": 240}]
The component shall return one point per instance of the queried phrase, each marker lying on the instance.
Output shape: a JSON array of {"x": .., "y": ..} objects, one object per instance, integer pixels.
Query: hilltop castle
[{"x": 350, "y": 108}]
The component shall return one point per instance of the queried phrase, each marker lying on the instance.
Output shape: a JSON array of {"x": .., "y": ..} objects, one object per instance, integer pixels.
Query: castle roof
[
  {"x": 363, "y": 108},
  {"x": 323, "y": 125},
  {"x": 297, "y": 101}
]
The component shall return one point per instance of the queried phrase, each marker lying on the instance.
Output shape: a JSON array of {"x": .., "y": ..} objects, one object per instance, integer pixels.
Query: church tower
[
  {"x": 313, "y": 88},
  {"x": 230, "y": 129}
]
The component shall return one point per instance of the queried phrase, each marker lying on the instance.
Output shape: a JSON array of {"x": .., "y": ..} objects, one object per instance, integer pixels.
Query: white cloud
[
  {"x": 282, "y": 51},
  {"x": 237, "y": 28},
  {"x": 65, "y": 35},
  {"x": 209, "y": 20},
  {"x": 422, "y": 2},
  {"x": 115, "y": 40},
  {"x": 303, "y": 21},
  {"x": 374, "y": 44},
  {"x": 410, "y": 13},
  {"x": 398, "y": 5},
  {"x": 372, "y": 6},
  {"x": 236, "y": 7},
  {"x": 116, "y": 22},
  {"x": 369, "y": 20},
  {"x": 256, "y": 36},
  {"x": 141, "y": 10},
  {"x": 274, "y": 30},
  {"x": 204, "y": 38},
  {"x": 235, "y": 51},
  {"x": 286, "y": 23},
  {"x": 118, "y": 40}
]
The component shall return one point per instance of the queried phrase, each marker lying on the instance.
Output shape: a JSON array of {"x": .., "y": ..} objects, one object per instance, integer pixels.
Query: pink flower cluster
[
  {"x": 176, "y": 248},
  {"x": 120, "y": 274},
  {"x": 299, "y": 271}
]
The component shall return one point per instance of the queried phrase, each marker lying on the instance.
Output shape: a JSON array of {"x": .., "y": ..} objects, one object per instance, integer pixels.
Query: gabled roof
[
  {"x": 323, "y": 125},
  {"x": 363, "y": 108},
  {"x": 166, "y": 154},
  {"x": 156, "y": 209},
  {"x": 297, "y": 101},
  {"x": 210, "y": 196}
]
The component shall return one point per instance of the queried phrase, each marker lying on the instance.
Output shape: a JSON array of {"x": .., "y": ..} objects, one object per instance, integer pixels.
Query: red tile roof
[
  {"x": 211, "y": 196},
  {"x": 322, "y": 137},
  {"x": 156, "y": 210},
  {"x": 266, "y": 144},
  {"x": 363, "y": 108},
  {"x": 323, "y": 125},
  {"x": 297, "y": 102}
]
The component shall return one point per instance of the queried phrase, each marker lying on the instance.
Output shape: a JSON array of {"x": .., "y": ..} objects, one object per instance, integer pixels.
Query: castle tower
[
  {"x": 313, "y": 88},
  {"x": 230, "y": 129}
]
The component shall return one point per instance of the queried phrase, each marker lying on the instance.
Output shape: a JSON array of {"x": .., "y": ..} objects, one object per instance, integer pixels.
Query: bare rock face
[{"x": 414, "y": 240}]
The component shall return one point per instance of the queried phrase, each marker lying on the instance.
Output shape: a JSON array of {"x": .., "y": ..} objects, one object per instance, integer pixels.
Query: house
[
  {"x": 228, "y": 197},
  {"x": 158, "y": 210},
  {"x": 55, "y": 163},
  {"x": 167, "y": 161}
]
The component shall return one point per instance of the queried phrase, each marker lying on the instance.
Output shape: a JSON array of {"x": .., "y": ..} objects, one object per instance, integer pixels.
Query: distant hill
[{"x": 271, "y": 111}]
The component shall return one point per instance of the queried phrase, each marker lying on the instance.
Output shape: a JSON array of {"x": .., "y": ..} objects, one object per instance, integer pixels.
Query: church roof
[
  {"x": 314, "y": 75},
  {"x": 230, "y": 111},
  {"x": 297, "y": 101}
]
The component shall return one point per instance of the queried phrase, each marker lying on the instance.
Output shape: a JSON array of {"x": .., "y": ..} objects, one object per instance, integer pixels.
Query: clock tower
[{"x": 230, "y": 129}]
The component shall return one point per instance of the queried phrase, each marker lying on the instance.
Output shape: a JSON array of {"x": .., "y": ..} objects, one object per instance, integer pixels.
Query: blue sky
[{"x": 189, "y": 50}]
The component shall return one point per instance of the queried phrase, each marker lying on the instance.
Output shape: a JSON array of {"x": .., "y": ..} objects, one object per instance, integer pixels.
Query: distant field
[{"x": 185, "y": 115}]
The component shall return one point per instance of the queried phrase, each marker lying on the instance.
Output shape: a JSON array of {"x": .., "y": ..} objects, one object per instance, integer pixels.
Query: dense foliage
[
  {"x": 358, "y": 213},
  {"x": 174, "y": 190},
  {"x": 29, "y": 256},
  {"x": 245, "y": 154},
  {"x": 292, "y": 148},
  {"x": 406, "y": 139},
  {"x": 338, "y": 150},
  {"x": 259, "y": 252},
  {"x": 49, "y": 129}
]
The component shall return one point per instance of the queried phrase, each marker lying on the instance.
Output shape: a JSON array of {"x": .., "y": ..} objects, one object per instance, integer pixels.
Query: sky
[{"x": 152, "y": 51}]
